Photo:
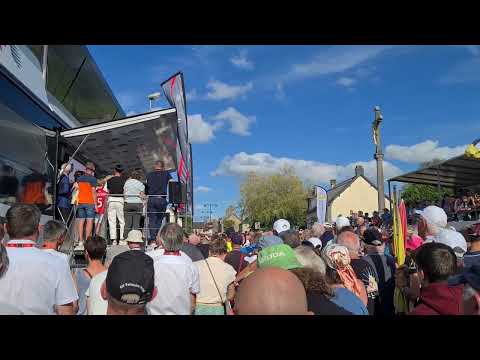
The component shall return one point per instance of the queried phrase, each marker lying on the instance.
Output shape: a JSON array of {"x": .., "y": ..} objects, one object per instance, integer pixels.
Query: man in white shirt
[
  {"x": 176, "y": 277},
  {"x": 35, "y": 282},
  {"x": 54, "y": 233}
]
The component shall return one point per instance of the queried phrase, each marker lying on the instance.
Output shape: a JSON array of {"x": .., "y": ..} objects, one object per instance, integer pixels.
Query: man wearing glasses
[{"x": 87, "y": 198}]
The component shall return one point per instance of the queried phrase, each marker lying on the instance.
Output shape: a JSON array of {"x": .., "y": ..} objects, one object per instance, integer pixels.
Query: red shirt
[{"x": 101, "y": 200}]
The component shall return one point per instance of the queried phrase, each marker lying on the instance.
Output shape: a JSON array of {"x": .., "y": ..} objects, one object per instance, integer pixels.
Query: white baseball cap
[
  {"x": 453, "y": 239},
  {"x": 341, "y": 222},
  {"x": 316, "y": 242},
  {"x": 134, "y": 236},
  {"x": 281, "y": 225},
  {"x": 434, "y": 215}
]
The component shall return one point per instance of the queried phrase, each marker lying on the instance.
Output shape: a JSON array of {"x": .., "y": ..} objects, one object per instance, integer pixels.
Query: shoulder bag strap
[
  {"x": 219, "y": 294},
  {"x": 240, "y": 262}
]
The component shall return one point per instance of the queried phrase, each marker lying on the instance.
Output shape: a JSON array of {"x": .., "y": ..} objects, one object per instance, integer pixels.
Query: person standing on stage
[
  {"x": 87, "y": 200},
  {"x": 157, "y": 183},
  {"x": 115, "y": 204}
]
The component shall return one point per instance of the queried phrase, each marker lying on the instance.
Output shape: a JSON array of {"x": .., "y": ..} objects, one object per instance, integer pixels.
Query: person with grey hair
[
  {"x": 317, "y": 230},
  {"x": 54, "y": 233},
  {"x": 176, "y": 276},
  {"x": 362, "y": 268},
  {"x": 36, "y": 282}
]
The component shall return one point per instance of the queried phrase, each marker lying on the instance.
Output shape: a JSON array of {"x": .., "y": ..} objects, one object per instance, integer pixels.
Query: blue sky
[{"x": 263, "y": 107}]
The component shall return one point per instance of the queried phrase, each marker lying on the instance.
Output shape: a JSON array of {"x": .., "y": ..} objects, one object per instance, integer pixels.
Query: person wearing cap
[
  {"x": 87, "y": 200},
  {"x": 135, "y": 240},
  {"x": 384, "y": 266},
  {"x": 432, "y": 220},
  {"x": 130, "y": 284},
  {"x": 264, "y": 242},
  {"x": 314, "y": 243},
  {"x": 349, "y": 291},
  {"x": 328, "y": 236},
  {"x": 436, "y": 263},
  {"x": 176, "y": 276},
  {"x": 280, "y": 226},
  {"x": 472, "y": 256},
  {"x": 280, "y": 255},
  {"x": 115, "y": 210},
  {"x": 455, "y": 241}
]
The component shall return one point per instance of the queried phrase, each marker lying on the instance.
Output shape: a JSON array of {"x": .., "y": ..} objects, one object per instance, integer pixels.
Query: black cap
[
  {"x": 119, "y": 168},
  {"x": 130, "y": 278},
  {"x": 372, "y": 236}
]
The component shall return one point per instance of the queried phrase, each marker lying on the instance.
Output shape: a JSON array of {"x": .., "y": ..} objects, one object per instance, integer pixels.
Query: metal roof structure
[
  {"x": 75, "y": 80},
  {"x": 458, "y": 172}
]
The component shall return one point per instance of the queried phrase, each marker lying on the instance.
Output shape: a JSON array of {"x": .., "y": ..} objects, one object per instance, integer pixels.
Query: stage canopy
[
  {"x": 458, "y": 172},
  {"x": 135, "y": 142}
]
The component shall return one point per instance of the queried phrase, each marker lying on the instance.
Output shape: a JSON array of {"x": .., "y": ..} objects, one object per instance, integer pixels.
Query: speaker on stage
[{"x": 177, "y": 192}]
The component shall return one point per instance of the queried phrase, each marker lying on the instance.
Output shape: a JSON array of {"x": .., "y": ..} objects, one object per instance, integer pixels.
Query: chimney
[
  {"x": 359, "y": 170},
  {"x": 333, "y": 183}
]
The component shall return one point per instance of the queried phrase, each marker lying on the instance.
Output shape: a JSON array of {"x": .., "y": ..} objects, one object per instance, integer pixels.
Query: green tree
[
  {"x": 266, "y": 198},
  {"x": 414, "y": 194},
  {"x": 228, "y": 224}
]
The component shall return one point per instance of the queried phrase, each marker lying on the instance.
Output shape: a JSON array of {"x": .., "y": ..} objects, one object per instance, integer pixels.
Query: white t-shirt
[
  {"x": 58, "y": 254},
  {"x": 176, "y": 277},
  {"x": 36, "y": 281},
  {"x": 133, "y": 187},
  {"x": 95, "y": 303},
  {"x": 224, "y": 275}
]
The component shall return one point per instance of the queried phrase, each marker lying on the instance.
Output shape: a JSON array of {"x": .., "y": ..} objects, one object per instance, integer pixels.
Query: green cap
[{"x": 281, "y": 256}]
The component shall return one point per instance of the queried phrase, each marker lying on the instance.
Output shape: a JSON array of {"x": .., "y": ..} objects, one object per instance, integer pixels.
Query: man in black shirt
[
  {"x": 115, "y": 204},
  {"x": 385, "y": 268},
  {"x": 363, "y": 270},
  {"x": 157, "y": 183}
]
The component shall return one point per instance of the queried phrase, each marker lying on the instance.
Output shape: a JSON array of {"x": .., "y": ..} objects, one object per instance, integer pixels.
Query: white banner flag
[{"x": 321, "y": 204}]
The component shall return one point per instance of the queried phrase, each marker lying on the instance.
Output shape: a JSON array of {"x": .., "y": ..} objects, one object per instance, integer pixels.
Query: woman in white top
[
  {"x": 134, "y": 191},
  {"x": 216, "y": 279}
]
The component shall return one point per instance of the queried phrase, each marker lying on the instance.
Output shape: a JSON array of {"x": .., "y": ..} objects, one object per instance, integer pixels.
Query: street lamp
[
  {"x": 378, "y": 156},
  {"x": 153, "y": 97}
]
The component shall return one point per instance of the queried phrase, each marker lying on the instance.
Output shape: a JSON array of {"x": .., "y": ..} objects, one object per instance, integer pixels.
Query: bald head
[
  {"x": 271, "y": 291},
  {"x": 351, "y": 241}
]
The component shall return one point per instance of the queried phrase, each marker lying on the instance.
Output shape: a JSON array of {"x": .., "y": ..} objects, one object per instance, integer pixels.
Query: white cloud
[
  {"x": 422, "y": 152},
  {"x": 346, "y": 81},
  {"x": 335, "y": 60},
  {"x": 239, "y": 123},
  {"x": 131, "y": 113},
  {"x": 241, "y": 61},
  {"x": 203, "y": 189},
  {"x": 200, "y": 131},
  {"x": 242, "y": 163},
  {"x": 221, "y": 91}
]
